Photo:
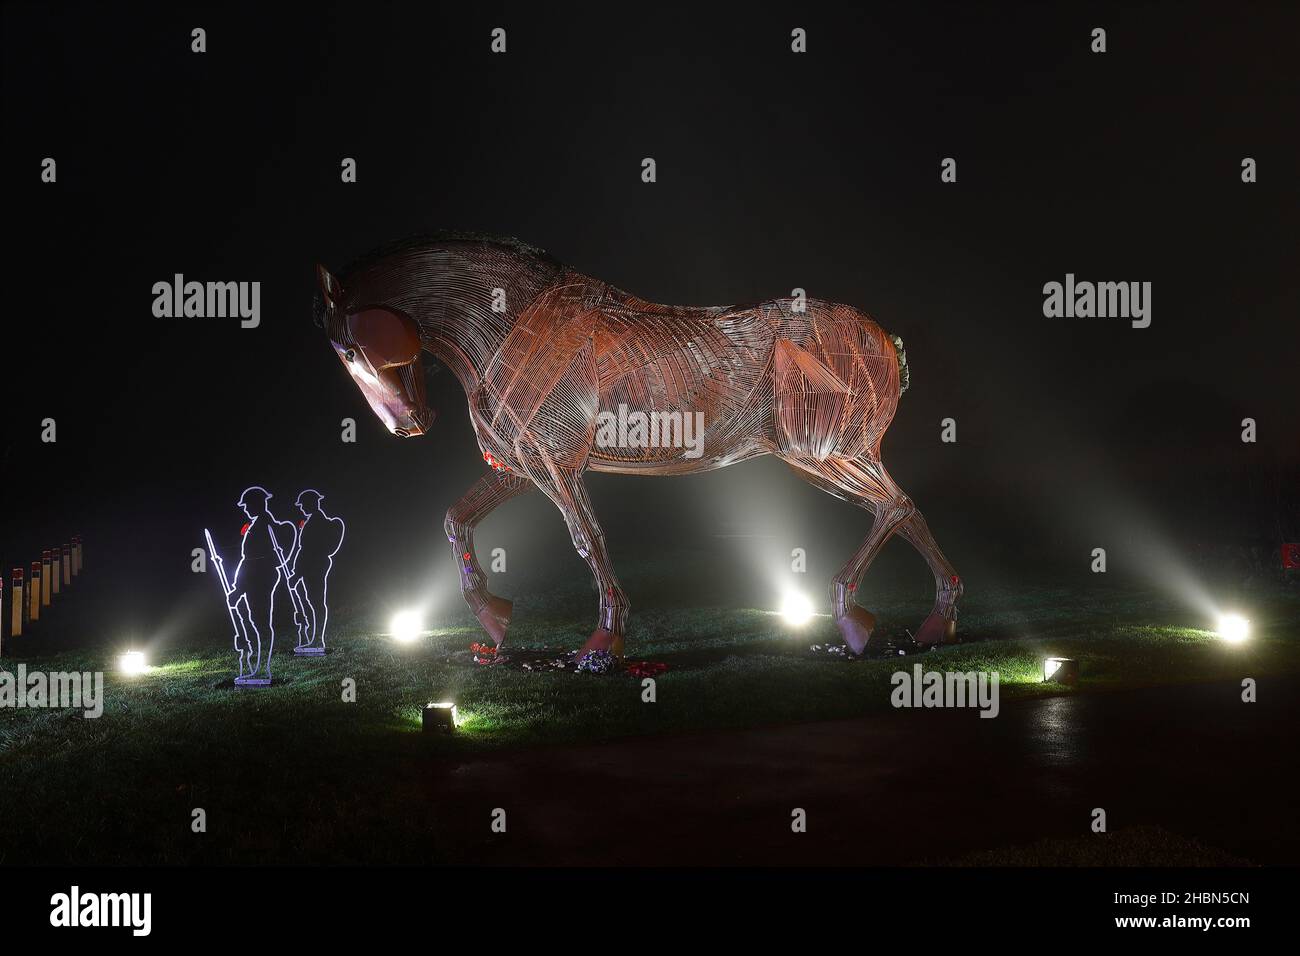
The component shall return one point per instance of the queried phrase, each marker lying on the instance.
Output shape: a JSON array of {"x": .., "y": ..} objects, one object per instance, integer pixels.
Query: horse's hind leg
[
  {"x": 941, "y": 626},
  {"x": 486, "y": 494},
  {"x": 866, "y": 484}
]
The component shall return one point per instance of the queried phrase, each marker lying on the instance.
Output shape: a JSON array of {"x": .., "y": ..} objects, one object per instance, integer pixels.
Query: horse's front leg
[
  {"x": 489, "y": 491},
  {"x": 569, "y": 493}
]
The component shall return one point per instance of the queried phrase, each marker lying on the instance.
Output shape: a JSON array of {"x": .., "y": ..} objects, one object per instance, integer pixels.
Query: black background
[
  {"x": 1080, "y": 902},
  {"x": 775, "y": 170}
]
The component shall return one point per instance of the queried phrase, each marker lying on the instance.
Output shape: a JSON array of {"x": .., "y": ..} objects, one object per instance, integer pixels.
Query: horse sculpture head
[{"x": 380, "y": 347}]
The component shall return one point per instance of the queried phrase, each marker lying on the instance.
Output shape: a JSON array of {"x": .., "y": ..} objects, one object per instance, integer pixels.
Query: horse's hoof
[
  {"x": 936, "y": 629},
  {"x": 856, "y": 626},
  {"x": 603, "y": 639},
  {"x": 494, "y": 615}
]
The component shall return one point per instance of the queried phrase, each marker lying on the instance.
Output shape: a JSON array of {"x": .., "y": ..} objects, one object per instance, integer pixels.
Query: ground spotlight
[
  {"x": 406, "y": 626},
  {"x": 132, "y": 662},
  {"x": 1061, "y": 670},
  {"x": 440, "y": 717},
  {"x": 796, "y": 608},
  {"x": 1233, "y": 628}
]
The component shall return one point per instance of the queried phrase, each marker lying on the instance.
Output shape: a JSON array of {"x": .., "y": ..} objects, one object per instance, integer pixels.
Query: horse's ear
[{"x": 331, "y": 289}]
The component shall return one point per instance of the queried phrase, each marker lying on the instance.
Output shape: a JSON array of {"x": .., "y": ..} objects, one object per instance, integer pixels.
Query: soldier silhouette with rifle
[
  {"x": 264, "y": 542},
  {"x": 319, "y": 538}
]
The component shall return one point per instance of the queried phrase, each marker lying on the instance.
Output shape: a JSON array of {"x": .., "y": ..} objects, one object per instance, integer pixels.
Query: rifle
[
  {"x": 226, "y": 589},
  {"x": 300, "y": 617}
]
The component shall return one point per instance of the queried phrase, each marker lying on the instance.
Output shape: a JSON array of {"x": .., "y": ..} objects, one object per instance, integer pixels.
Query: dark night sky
[{"x": 774, "y": 171}]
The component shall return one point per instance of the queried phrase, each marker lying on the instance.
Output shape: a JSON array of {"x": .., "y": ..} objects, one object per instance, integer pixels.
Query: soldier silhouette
[
  {"x": 319, "y": 538},
  {"x": 264, "y": 542}
]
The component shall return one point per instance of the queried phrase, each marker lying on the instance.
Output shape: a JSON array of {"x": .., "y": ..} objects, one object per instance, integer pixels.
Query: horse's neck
[
  {"x": 463, "y": 329},
  {"x": 466, "y": 345}
]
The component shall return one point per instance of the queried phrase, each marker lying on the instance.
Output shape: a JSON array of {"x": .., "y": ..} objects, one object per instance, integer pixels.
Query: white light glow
[
  {"x": 796, "y": 609},
  {"x": 1050, "y": 667},
  {"x": 450, "y": 708},
  {"x": 1233, "y": 628},
  {"x": 406, "y": 626},
  {"x": 448, "y": 705},
  {"x": 132, "y": 662}
]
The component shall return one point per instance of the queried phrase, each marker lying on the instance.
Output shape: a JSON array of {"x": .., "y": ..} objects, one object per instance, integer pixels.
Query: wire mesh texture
[{"x": 565, "y": 373}]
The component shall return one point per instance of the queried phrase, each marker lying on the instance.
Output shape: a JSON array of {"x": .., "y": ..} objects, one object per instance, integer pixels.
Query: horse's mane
[{"x": 422, "y": 241}]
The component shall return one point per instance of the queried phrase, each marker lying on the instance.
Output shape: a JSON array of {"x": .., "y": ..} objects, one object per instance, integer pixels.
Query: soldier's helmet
[
  {"x": 309, "y": 500},
  {"x": 254, "y": 498}
]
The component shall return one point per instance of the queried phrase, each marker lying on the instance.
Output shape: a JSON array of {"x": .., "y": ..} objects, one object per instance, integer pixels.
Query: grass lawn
[{"x": 292, "y": 773}]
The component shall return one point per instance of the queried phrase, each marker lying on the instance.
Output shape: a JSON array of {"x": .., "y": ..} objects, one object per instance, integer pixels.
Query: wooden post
[
  {"x": 54, "y": 570},
  {"x": 35, "y": 603},
  {"x": 67, "y": 565},
  {"x": 80, "y": 554},
  {"x": 16, "y": 615},
  {"x": 76, "y": 555}
]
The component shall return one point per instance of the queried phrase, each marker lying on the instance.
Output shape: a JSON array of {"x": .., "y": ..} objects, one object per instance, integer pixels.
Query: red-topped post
[
  {"x": 16, "y": 614},
  {"x": 34, "y": 604}
]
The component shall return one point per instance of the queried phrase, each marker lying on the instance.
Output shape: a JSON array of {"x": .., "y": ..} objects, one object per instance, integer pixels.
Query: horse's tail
[{"x": 904, "y": 377}]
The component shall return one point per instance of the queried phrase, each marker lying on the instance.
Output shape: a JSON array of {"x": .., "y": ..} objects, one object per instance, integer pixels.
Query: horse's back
[{"x": 799, "y": 377}]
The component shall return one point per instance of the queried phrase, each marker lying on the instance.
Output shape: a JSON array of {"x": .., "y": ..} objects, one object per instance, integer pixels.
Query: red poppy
[{"x": 646, "y": 668}]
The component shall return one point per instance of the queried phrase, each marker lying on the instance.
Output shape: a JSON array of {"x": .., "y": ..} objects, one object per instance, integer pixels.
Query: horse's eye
[{"x": 350, "y": 355}]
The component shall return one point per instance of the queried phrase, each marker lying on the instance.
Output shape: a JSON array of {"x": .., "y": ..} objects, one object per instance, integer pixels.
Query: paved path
[{"x": 904, "y": 787}]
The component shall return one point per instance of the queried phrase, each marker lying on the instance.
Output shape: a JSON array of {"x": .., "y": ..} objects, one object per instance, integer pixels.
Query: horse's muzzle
[{"x": 417, "y": 422}]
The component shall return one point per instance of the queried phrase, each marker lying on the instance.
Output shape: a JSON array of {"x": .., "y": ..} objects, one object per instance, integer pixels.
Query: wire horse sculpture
[{"x": 544, "y": 352}]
